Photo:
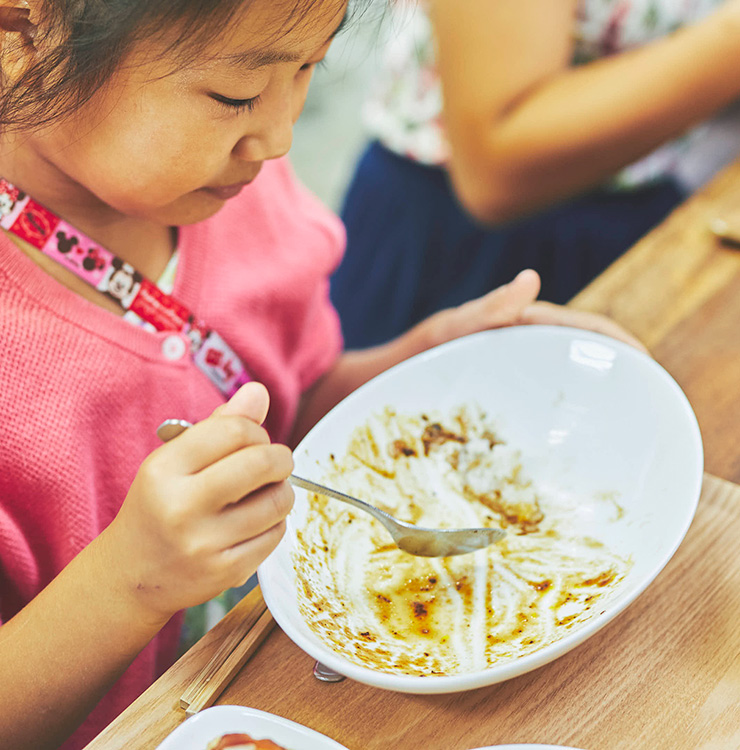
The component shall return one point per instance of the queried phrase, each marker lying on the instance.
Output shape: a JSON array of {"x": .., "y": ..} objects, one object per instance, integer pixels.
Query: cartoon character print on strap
[
  {"x": 224, "y": 367},
  {"x": 77, "y": 253},
  {"x": 121, "y": 283},
  {"x": 197, "y": 332},
  {"x": 7, "y": 203},
  {"x": 12, "y": 201}
]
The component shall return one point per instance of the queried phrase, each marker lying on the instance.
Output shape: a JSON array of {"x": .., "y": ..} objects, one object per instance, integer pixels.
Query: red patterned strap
[{"x": 121, "y": 282}]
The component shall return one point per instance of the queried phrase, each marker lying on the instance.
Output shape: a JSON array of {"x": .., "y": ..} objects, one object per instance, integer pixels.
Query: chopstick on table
[{"x": 234, "y": 651}]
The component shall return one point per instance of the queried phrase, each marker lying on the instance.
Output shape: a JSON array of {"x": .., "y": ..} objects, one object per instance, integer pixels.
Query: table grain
[{"x": 678, "y": 290}]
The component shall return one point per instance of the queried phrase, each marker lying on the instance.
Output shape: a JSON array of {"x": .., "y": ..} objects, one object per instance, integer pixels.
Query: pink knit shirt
[{"x": 82, "y": 391}]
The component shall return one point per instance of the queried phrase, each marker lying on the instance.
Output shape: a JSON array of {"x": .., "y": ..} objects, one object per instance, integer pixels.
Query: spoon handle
[
  {"x": 319, "y": 489},
  {"x": 171, "y": 428}
]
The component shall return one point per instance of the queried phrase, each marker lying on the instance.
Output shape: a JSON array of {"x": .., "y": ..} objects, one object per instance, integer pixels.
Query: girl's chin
[{"x": 190, "y": 209}]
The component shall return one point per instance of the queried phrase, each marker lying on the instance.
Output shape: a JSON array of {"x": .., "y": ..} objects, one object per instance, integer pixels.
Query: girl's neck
[{"x": 143, "y": 243}]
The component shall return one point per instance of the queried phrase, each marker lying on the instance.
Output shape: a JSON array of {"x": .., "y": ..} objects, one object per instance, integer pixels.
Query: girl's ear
[{"x": 18, "y": 27}]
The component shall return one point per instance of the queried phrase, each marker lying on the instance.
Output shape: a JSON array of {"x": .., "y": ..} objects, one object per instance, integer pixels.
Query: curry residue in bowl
[{"x": 387, "y": 610}]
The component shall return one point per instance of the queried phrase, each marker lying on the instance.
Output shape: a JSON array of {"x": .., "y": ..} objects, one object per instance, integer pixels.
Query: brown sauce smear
[
  {"x": 435, "y": 434},
  {"x": 415, "y": 608}
]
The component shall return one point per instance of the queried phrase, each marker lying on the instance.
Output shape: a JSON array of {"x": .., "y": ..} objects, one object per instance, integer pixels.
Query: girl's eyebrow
[{"x": 252, "y": 59}]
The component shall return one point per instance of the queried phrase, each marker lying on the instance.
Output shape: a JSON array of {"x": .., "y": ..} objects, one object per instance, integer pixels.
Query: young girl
[{"x": 140, "y": 143}]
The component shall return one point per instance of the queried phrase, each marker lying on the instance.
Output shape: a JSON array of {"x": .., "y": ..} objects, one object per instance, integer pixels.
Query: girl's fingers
[
  {"x": 251, "y": 400},
  {"x": 244, "y": 472},
  {"x": 545, "y": 313},
  {"x": 209, "y": 441},
  {"x": 251, "y": 516},
  {"x": 244, "y": 558},
  {"x": 501, "y": 307}
]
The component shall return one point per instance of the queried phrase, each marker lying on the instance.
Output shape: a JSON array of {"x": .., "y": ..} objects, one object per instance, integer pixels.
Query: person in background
[
  {"x": 159, "y": 259},
  {"x": 519, "y": 133}
]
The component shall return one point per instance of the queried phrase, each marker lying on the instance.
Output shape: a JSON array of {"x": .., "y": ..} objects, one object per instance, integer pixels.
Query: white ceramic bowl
[{"x": 590, "y": 415}]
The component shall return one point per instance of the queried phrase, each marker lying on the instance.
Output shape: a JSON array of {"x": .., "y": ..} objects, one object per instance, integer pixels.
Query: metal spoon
[
  {"x": 415, "y": 540},
  {"x": 323, "y": 674}
]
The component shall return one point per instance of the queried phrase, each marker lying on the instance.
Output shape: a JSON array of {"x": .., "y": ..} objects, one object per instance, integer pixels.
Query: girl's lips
[{"x": 226, "y": 192}]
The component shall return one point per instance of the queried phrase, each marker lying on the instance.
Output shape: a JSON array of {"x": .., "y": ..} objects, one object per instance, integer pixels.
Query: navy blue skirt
[{"x": 412, "y": 250}]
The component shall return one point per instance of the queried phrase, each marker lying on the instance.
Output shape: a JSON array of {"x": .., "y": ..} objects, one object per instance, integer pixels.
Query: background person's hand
[{"x": 204, "y": 510}]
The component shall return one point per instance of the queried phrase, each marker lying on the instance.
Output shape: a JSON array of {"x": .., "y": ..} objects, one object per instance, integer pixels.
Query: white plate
[
  {"x": 589, "y": 414},
  {"x": 206, "y": 726}
]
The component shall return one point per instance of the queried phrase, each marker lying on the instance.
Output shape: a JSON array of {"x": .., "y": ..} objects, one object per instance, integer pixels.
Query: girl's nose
[
  {"x": 273, "y": 139},
  {"x": 273, "y": 144}
]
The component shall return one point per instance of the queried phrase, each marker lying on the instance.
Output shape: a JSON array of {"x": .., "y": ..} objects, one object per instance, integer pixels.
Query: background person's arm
[{"x": 526, "y": 129}]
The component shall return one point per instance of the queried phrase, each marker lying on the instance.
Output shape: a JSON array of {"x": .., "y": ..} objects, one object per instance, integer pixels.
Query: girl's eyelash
[
  {"x": 318, "y": 64},
  {"x": 238, "y": 105},
  {"x": 241, "y": 105}
]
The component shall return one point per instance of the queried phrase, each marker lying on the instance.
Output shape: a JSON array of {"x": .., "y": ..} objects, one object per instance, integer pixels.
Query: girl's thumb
[
  {"x": 524, "y": 288},
  {"x": 503, "y": 306},
  {"x": 252, "y": 400}
]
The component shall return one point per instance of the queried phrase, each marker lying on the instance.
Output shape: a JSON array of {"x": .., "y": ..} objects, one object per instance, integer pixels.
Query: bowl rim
[{"x": 500, "y": 672}]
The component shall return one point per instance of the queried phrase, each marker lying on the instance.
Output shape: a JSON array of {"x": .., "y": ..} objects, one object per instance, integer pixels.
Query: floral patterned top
[{"x": 405, "y": 109}]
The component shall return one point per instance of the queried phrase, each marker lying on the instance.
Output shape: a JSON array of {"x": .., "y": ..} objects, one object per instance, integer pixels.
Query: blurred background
[{"x": 329, "y": 135}]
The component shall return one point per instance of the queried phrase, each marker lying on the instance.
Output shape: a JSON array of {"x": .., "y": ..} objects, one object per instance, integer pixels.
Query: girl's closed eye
[
  {"x": 236, "y": 105},
  {"x": 312, "y": 65},
  {"x": 241, "y": 105}
]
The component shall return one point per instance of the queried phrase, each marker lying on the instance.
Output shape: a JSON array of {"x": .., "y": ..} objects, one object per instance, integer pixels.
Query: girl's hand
[
  {"x": 511, "y": 304},
  {"x": 514, "y": 304},
  {"x": 203, "y": 511},
  {"x": 545, "y": 313},
  {"x": 503, "y": 306}
]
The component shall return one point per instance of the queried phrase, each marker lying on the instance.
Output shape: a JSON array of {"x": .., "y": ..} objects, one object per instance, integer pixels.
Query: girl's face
[{"x": 172, "y": 147}]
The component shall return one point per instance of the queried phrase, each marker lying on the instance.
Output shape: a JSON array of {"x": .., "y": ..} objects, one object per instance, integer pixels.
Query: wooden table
[
  {"x": 678, "y": 290},
  {"x": 666, "y": 672}
]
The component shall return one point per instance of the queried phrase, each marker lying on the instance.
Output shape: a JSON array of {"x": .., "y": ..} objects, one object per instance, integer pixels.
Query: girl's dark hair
[{"x": 84, "y": 41}]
